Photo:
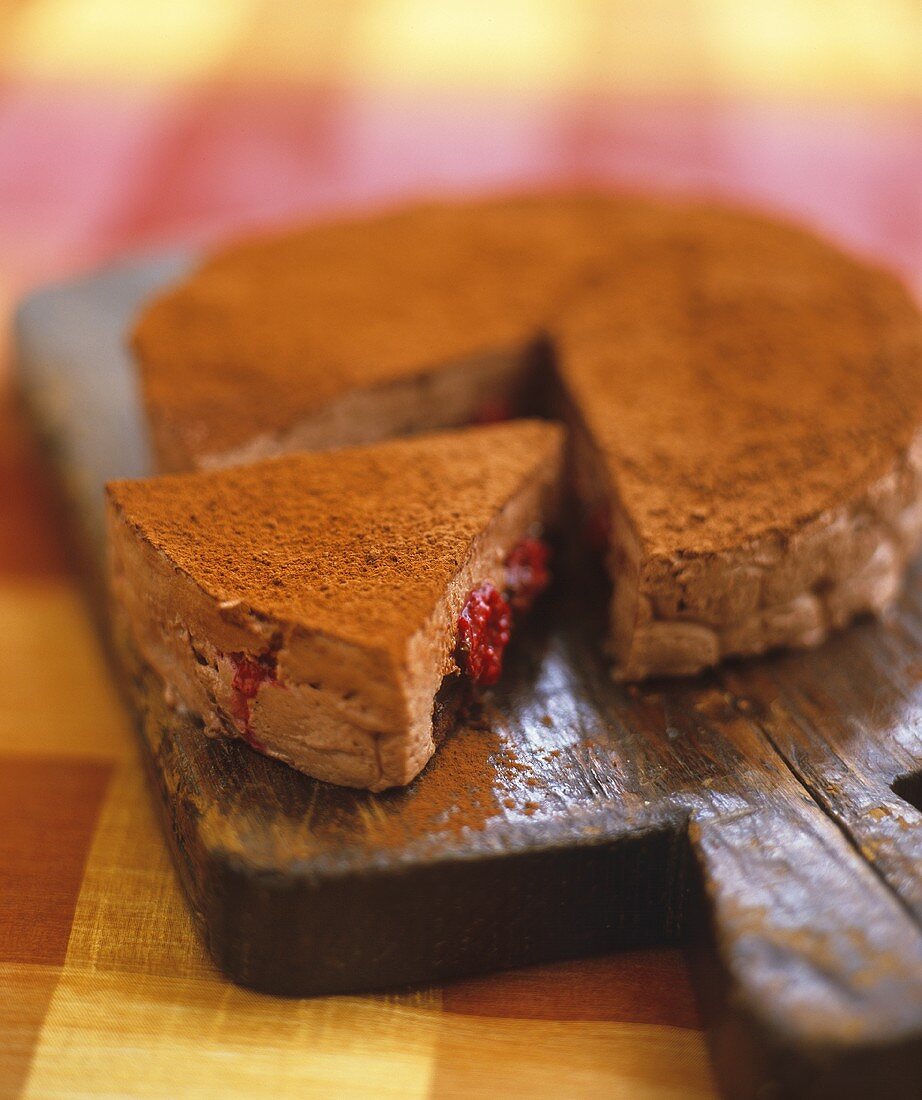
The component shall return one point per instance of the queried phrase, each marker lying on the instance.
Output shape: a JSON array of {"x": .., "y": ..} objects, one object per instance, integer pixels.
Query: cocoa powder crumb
[
  {"x": 472, "y": 780},
  {"x": 456, "y": 792}
]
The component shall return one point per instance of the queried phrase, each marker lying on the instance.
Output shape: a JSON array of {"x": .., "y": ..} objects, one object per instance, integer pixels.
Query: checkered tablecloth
[{"x": 124, "y": 125}]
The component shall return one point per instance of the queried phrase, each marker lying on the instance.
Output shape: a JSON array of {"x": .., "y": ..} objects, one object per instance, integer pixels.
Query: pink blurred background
[{"x": 126, "y": 124}]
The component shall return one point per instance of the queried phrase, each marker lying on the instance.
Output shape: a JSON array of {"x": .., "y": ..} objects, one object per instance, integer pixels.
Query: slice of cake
[
  {"x": 745, "y": 400},
  {"x": 746, "y": 407},
  {"x": 315, "y": 604}
]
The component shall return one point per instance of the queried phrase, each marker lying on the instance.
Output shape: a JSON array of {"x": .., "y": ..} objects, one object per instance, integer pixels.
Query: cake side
[
  {"x": 693, "y": 611},
  {"x": 481, "y": 389},
  {"x": 222, "y": 664}
]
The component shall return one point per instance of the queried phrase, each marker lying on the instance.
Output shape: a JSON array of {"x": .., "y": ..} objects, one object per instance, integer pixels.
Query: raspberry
[
  {"x": 249, "y": 675},
  {"x": 527, "y": 573},
  {"x": 484, "y": 627},
  {"x": 598, "y": 527},
  {"x": 492, "y": 411}
]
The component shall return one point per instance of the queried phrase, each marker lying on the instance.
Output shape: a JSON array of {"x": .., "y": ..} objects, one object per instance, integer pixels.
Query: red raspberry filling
[
  {"x": 527, "y": 573},
  {"x": 598, "y": 528},
  {"x": 484, "y": 627},
  {"x": 492, "y": 411},
  {"x": 485, "y": 622},
  {"x": 250, "y": 673}
]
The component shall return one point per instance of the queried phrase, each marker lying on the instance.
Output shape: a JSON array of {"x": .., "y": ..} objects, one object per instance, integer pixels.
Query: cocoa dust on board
[{"x": 471, "y": 780}]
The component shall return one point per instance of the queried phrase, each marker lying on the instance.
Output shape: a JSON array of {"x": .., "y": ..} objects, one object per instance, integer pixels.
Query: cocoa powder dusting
[
  {"x": 272, "y": 329},
  {"x": 735, "y": 377},
  {"x": 473, "y": 778}
]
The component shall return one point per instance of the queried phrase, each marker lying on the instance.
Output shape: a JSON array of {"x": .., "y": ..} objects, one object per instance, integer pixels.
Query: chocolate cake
[
  {"x": 315, "y": 604},
  {"x": 745, "y": 402}
]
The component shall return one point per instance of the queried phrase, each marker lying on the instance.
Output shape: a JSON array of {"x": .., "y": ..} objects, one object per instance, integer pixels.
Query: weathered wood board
[{"x": 768, "y": 814}]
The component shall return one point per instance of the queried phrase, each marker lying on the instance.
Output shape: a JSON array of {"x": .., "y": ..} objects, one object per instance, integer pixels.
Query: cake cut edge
[
  {"x": 353, "y": 713},
  {"x": 678, "y": 615}
]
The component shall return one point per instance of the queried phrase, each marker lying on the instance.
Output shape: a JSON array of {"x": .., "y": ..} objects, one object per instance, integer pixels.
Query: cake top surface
[
  {"x": 270, "y": 329},
  {"x": 739, "y": 377},
  {"x": 359, "y": 544}
]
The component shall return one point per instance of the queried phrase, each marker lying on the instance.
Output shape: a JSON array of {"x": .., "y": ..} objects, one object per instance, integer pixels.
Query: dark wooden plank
[
  {"x": 70, "y": 343},
  {"x": 847, "y": 718},
  {"x": 570, "y": 816},
  {"x": 522, "y": 841},
  {"x": 810, "y": 972},
  {"x": 812, "y": 976}
]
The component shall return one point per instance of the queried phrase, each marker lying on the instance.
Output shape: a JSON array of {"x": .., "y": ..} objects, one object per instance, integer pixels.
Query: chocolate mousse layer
[{"x": 311, "y": 604}]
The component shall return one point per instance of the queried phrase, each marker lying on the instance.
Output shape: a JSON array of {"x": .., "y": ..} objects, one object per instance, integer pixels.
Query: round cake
[{"x": 744, "y": 400}]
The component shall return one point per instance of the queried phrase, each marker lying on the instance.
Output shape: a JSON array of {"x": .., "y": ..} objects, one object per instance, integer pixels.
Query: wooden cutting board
[{"x": 769, "y": 814}]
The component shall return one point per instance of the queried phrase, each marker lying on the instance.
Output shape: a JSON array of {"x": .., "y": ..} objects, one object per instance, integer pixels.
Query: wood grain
[{"x": 847, "y": 719}]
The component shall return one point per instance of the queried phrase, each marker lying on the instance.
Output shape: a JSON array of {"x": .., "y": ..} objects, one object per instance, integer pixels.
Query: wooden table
[{"x": 163, "y": 122}]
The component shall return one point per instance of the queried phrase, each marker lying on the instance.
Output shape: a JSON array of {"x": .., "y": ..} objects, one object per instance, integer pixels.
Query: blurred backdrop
[{"x": 125, "y": 123}]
